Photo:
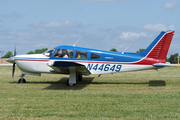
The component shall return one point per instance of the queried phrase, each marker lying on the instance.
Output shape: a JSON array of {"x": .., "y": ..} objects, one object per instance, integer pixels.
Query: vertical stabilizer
[{"x": 158, "y": 49}]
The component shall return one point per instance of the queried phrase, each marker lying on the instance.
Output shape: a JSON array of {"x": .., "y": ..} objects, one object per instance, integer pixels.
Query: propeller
[{"x": 13, "y": 70}]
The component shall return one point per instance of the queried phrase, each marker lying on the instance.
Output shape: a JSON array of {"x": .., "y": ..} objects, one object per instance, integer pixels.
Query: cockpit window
[
  {"x": 94, "y": 56},
  {"x": 63, "y": 53},
  {"x": 49, "y": 52},
  {"x": 81, "y": 55}
]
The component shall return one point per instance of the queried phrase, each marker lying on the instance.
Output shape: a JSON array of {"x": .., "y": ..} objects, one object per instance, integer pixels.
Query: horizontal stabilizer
[{"x": 162, "y": 64}]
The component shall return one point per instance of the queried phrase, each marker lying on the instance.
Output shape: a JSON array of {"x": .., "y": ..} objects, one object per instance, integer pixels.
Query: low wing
[{"x": 62, "y": 67}]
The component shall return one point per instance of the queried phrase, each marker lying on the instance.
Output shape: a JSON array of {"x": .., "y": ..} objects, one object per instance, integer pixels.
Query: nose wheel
[{"x": 22, "y": 80}]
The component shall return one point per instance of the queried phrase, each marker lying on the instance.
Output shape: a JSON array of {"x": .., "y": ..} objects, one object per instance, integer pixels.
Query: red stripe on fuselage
[{"x": 31, "y": 60}]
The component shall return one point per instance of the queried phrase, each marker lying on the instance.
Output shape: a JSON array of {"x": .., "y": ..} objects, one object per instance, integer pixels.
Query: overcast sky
[{"x": 103, "y": 24}]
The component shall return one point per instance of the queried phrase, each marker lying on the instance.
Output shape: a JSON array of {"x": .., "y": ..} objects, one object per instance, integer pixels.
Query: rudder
[{"x": 158, "y": 49}]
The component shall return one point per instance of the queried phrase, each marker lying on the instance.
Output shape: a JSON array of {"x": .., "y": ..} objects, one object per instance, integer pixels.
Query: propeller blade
[
  {"x": 15, "y": 51},
  {"x": 13, "y": 70}
]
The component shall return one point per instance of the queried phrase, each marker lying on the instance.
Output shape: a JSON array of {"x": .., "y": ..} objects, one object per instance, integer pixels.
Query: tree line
[{"x": 172, "y": 59}]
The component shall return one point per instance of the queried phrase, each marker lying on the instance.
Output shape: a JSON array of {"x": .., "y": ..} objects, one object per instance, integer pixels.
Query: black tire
[
  {"x": 21, "y": 81},
  {"x": 79, "y": 77},
  {"x": 67, "y": 83}
]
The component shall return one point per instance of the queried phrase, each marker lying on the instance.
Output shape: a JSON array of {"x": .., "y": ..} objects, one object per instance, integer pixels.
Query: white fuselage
[{"x": 36, "y": 64}]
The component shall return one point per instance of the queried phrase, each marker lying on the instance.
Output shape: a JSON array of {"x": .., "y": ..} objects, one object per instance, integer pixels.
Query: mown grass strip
[{"x": 127, "y": 95}]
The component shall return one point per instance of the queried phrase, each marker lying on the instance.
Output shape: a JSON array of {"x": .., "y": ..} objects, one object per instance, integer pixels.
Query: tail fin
[{"x": 158, "y": 49}]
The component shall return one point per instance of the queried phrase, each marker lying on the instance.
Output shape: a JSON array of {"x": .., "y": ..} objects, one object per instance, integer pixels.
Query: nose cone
[{"x": 11, "y": 59}]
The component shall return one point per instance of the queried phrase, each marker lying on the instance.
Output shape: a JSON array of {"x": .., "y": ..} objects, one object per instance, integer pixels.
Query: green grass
[{"x": 130, "y": 95}]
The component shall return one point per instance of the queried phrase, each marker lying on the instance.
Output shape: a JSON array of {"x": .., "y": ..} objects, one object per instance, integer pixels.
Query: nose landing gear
[{"x": 22, "y": 80}]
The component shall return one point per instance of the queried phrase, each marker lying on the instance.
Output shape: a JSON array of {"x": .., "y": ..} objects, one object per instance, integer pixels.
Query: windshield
[{"x": 49, "y": 52}]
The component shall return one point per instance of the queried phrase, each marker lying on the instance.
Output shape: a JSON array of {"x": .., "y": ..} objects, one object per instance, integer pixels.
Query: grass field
[{"x": 131, "y": 95}]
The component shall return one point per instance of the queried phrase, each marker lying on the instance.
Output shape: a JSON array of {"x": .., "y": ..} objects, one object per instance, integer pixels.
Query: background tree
[
  {"x": 31, "y": 52},
  {"x": 173, "y": 58},
  {"x": 8, "y": 55},
  {"x": 167, "y": 60},
  {"x": 38, "y": 51},
  {"x": 140, "y": 50},
  {"x": 113, "y": 50}
]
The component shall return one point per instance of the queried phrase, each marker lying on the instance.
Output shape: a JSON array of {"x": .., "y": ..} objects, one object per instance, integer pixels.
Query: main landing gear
[
  {"x": 73, "y": 77},
  {"x": 22, "y": 80},
  {"x": 73, "y": 82}
]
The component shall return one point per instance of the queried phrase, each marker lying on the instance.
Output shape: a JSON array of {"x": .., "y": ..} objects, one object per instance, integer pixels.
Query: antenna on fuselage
[
  {"x": 126, "y": 48},
  {"x": 77, "y": 41}
]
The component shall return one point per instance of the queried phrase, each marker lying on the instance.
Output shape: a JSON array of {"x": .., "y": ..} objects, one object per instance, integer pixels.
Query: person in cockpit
[{"x": 64, "y": 53}]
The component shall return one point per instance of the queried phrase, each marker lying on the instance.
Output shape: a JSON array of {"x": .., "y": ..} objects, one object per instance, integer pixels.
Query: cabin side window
[
  {"x": 81, "y": 55},
  {"x": 63, "y": 53},
  {"x": 94, "y": 56}
]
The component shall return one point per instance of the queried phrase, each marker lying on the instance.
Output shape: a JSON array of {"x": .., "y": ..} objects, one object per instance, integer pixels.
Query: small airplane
[{"x": 78, "y": 61}]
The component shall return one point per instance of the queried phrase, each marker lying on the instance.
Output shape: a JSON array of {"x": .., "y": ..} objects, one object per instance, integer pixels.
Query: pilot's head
[{"x": 64, "y": 51}]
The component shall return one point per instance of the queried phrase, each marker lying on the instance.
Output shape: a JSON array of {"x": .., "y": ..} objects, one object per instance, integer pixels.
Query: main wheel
[
  {"x": 22, "y": 81},
  {"x": 79, "y": 77},
  {"x": 70, "y": 84}
]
